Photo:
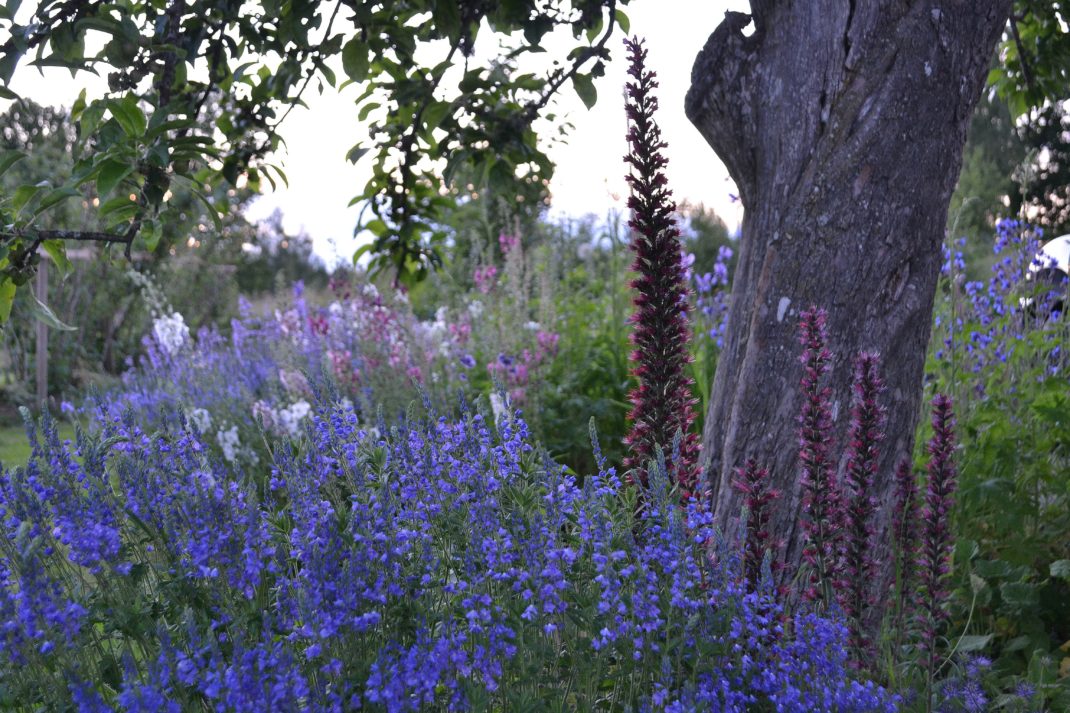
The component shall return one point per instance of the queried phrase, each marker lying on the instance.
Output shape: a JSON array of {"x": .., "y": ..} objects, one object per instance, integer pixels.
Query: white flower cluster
[
  {"x": 285, "y": 420},
  {"x": 229, "y": 442},
  {"x": 153, "y": 295},
  {"x": 201, "y": 420},
  {"x": 290, "y": 417},
  {"x": 171, "y": 332}
]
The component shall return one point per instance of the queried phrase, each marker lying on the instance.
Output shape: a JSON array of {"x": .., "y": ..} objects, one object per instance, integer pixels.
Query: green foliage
[
  {"x": 1011, "y": 520},
  {"x": 165, "y": 124},
  {"x": 1035, "y": 56}
]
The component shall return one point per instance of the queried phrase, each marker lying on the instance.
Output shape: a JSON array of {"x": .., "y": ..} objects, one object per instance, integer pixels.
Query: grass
[{"x": 15, "y": 449}]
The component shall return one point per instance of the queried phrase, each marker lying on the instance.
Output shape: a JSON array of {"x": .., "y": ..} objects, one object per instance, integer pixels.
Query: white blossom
[
  {"x": 201, "y": 420},
  {"x": 290, "y": 417},
  {"x": 171, "y": 332},
  {"x": 229, "y": 442}
]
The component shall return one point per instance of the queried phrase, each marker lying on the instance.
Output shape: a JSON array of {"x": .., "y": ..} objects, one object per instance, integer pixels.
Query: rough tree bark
[{"x": 842, "y": 123}]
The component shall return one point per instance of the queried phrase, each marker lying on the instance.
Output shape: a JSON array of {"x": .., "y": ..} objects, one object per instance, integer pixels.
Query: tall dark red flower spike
[
  {"x": 662, "y": 403},
  {"x": 822, "y": 505}
]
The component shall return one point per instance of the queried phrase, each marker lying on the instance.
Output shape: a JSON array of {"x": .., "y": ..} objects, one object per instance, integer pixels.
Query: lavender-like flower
[
  {"x": 662, "y": 403},
  {"x": 937, "y": 540},
  {"x": 822, "y": 511},
  {"x": 866, "y": 434},
  {"x": 753, "y": 482}
]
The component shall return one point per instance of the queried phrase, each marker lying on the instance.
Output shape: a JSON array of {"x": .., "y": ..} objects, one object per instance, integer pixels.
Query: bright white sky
[{"x": 589, "y": 177}]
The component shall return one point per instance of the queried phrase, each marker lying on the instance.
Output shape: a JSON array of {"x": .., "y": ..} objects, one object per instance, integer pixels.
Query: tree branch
[
  {"x": 1027, "y": 71},
  {"x": 719, "y": 102},
  {"x": 532, "y": 110}
]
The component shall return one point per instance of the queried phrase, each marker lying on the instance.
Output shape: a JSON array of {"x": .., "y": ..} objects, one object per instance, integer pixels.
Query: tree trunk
[{"x": 842, "y": 123}]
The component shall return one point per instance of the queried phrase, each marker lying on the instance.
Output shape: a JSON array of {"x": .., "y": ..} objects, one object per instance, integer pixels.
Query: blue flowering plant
[{"x": 437, "y": 565}]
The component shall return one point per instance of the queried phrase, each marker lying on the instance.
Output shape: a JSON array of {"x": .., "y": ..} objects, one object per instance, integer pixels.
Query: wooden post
[{"x": 42, "y": 337}]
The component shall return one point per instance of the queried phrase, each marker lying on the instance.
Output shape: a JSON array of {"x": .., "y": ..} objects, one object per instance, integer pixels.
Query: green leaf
[
  {"x": 972, "y": 643},
  {"x": 356, "y": 153},
  {"x": 623, "y": 21},
  {"x": 7, "y": 298},
  {"x": 129, "y": 115},
  {"x": 367, "y": 109},
  {"x": 90, "y": 119},
  {"x": 57, "y": 196},
  {"x": 79, "y": 106},
  {"x": 118, "y": 210},
  {"x": 58, "y": 253},
  {"x": 355, "y": 60},
  {"x": 377, "y": 228},
  {"x": 42, "y": 313},
  {"x": 585, "y": 89},
  {"x": 435, "y": 113},
  {"x": 9, "y": 159},
  {"x": 11, "y": 7},
  {"x": 1019, "y": 596},
  {"x": 151, "y": 232},
  {"x": 1060, "y": 569},
  {"x": 26, "y": 196},
  {"x": 109, "y": 176}
]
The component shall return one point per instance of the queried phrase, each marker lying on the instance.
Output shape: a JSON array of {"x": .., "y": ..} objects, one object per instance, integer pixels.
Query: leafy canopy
[{"x": 197, "y": 90}]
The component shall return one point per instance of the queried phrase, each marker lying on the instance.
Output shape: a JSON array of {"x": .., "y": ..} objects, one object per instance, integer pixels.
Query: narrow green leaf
[
  {"x": 623, "y": 22},
  {"x": 972, "y": 643},
  {"x": 7, "y": 298},
  {"x": 367, "y": 109},
  {"x": 42, "y": 313},
  {"x": 57, "y": 196}
]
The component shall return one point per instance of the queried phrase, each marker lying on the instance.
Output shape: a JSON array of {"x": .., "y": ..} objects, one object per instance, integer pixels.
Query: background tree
[
  {"x": 200, "y": 272},
  {"x": 167, "y": 63}
]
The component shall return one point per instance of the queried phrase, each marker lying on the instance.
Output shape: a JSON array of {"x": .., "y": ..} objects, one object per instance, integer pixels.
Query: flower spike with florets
[
  {"x": 866, "y": 434},
  {"x": 662, "y": 403},
  {"x": 821, "y": 497},
  {"x": 937, "y": 540},
  {"x": 753, "y": 482}
]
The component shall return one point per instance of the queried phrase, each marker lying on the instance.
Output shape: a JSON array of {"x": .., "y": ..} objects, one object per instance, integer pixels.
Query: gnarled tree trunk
[{"x": 842, "y": 123}]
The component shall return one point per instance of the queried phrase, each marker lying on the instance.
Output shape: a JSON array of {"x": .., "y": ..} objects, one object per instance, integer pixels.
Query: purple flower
[{"x": 662, "y": 405}]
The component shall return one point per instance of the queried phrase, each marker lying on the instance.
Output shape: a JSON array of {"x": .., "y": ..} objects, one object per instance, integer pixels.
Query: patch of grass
[{"x": 15, "y": 449}]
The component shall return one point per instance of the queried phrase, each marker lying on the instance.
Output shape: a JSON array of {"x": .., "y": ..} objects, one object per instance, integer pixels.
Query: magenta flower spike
[
  {"x": 864, "y": 440},
  {"x": 662, "y": 404},
  {"x": 937, "y": 540},
  {"x": 753, "y": 482}
]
